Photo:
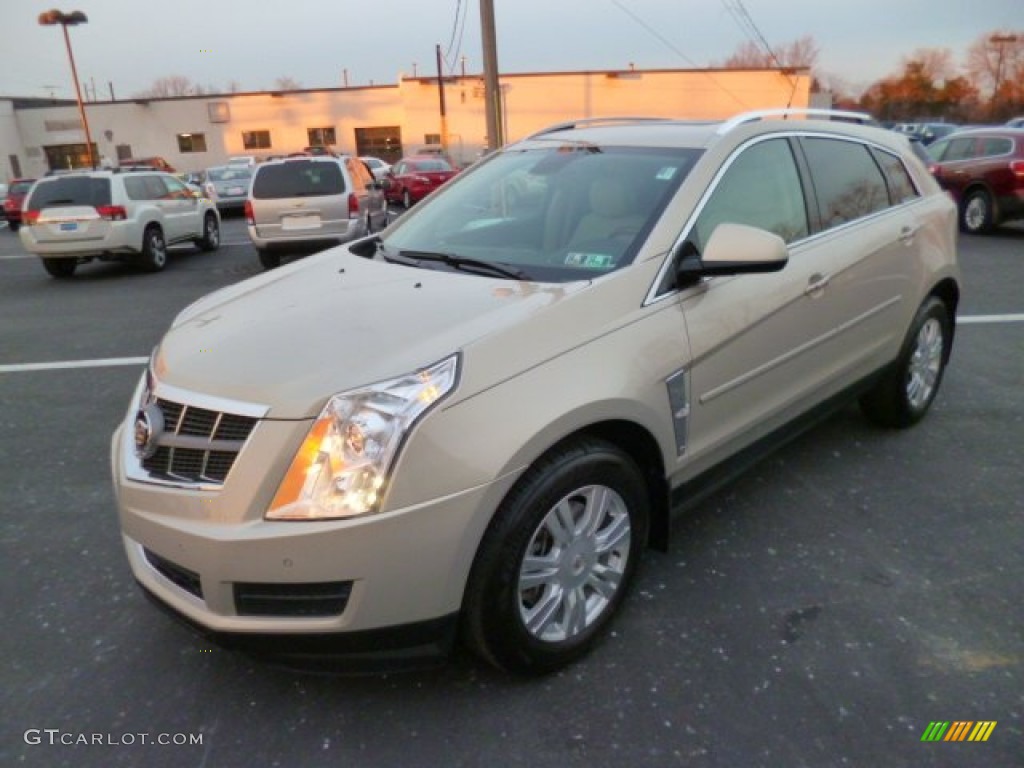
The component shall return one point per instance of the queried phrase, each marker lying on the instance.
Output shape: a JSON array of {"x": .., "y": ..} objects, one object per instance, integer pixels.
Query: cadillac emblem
[{"x": 149, "y": 425}]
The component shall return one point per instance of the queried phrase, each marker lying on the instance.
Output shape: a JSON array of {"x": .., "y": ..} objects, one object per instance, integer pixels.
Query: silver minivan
[{"x": 306, "y": 204}]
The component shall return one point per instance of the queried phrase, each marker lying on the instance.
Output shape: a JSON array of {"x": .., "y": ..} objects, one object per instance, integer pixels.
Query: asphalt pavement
[{"x": 823, "y": 610}]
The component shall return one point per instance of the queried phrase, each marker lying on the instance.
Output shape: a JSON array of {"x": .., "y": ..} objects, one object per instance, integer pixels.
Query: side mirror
[{"x": 732, "y": 249}]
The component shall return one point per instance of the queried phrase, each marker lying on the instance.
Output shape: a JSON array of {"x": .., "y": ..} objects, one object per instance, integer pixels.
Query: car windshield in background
[
  {"x": 230, "y": 173},
  {"x": 425, "y": 166},
  {"x": 70, "y": 190},
  {"x": 19, "y": 188},
  {"x": 551, "y": 214},
  {"x": 298, "y": 178}
]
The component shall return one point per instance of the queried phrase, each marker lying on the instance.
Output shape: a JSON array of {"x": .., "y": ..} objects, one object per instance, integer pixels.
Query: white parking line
[
  {"x": 102, "y": 363},
  {"x": 223, "y": 244},
  {"x": 983, "y": 319},
  {"x": 126, "y": 361}
]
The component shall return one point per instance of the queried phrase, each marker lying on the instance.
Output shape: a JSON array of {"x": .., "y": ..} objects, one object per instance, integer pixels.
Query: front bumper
[{"x": 216, "y": 568}]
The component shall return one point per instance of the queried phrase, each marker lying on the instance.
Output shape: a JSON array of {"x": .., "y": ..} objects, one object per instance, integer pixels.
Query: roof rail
[
  {"x": 587, "y": 121},
  {"x": 829, "y": 114}
]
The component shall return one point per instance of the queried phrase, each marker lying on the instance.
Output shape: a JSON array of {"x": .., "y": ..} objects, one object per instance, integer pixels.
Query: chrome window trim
[{"x": 653, "y": 296}]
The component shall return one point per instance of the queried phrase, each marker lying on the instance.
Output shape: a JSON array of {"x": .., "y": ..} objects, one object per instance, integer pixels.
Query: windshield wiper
[{"x": 465, "y": 263}]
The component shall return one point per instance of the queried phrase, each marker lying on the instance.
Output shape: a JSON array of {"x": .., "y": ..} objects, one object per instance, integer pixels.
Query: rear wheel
[
  {"x": 14, "y": 225},
  {"x": 154, "y": 250},
  {"x": 269, "y": 259},
  {"x": 904, "y": 395},
  {"x": 210, "y": 241},
  {"x": 60, "y": 267},
  {"x": 557, "y": 559},
  {"x": 976, "y": 214}
]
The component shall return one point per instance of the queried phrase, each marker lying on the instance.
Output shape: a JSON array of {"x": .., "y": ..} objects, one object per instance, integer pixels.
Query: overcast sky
[{"x": 132, "y": 43}]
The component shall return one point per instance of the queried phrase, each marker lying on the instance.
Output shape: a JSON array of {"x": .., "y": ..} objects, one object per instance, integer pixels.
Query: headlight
[{"x": 341, "y": 468}]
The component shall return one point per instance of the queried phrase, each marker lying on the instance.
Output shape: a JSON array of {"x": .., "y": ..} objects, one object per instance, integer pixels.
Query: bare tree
[
  {"x": 994, "y": 58},
  {"x": 174, "y": 85},
  {"x": 287, "y": 84},
  {"x": 801, "y": 53},
  {"x": 935, "y": 64}
]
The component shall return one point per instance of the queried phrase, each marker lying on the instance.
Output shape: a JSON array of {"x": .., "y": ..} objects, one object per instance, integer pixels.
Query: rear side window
[
  {"x": 848, "y": 182},
  {"x": 995, "y": 145},
  {"x": 957, "y": 149},
  {"x": 71, "y": 190},
  {"x": 298, "y": 178},
  {"x": 19, "y": 187},
  {"x": 900, "y": 184}
]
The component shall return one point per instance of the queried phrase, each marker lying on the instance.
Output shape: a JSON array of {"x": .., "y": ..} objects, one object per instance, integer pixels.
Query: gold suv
[{"x": 472, "y": 424}]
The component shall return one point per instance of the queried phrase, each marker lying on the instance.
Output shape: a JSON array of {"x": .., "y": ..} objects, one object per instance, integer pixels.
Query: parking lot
[{"x": 822, "y": 610}]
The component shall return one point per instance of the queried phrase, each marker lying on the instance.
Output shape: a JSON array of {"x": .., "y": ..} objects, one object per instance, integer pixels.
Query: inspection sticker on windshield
[
  {"x": 666, "y": 173},
  {"x": 589, "y": 260}
]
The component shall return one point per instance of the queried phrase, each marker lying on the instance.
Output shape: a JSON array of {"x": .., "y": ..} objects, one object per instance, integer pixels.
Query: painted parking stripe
[
  {"x": 110, "y": 362},
  {"x": 983, "y": 319},
  {"x": 60, "y": 365}
]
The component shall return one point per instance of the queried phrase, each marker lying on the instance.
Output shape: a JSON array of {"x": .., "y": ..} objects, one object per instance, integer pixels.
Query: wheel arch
[{"x": 948, "y": 292}]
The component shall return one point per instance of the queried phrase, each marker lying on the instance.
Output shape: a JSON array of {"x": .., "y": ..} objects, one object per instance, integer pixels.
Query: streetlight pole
[
  {"x": 1000, "y": 40},
  {"x": 52, "y": 18}
]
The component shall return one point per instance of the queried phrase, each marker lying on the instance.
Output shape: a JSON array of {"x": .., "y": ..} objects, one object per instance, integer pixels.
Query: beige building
[{"x": 195, "y": 132}]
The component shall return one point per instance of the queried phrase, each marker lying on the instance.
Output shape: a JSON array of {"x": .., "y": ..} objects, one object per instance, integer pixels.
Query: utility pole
[
  {"x": 492, "y": 95},
  {"x": 440, "y": 91},
  {"x": 1001, "y": 41}
]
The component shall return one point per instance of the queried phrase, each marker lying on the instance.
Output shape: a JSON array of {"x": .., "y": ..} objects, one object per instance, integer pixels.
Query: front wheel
[
  {"x": 902, "y": 397},
  {"x": 13, "y": 225},
  {"x": 976, "y": 214},
  {"x": 557, "y": 559},
  {"x": 406, "y": 199}
]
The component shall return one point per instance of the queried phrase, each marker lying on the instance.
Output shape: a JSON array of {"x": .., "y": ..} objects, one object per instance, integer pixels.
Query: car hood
[{"x": 291, "y": 338}]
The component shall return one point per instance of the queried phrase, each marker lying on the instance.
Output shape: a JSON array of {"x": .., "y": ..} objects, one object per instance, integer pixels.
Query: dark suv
[{"x": 984, "y": 171}]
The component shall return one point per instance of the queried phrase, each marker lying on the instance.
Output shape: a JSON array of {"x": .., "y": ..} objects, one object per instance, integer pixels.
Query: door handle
[
  {"x": 907, "y": 233},
  {"x": 817, "y": 284}
]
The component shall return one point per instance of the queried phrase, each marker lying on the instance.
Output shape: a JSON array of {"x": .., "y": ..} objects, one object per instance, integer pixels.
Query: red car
[
  {"x": 12, "y": 203},
  {"x": 413, "y": 178},
  {"x": 983, "y": 169}
]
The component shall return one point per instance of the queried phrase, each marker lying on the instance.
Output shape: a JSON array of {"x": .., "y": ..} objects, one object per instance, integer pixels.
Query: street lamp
[{"x": 52, "y": 18}]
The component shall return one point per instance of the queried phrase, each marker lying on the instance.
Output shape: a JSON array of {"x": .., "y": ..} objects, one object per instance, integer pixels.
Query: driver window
[{"x": 760, "y": 188}]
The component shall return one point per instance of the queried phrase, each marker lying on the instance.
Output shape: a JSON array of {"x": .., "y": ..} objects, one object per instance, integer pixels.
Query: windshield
[
  {"x": 229, "y": 173},
  {"x": 554, "y": 214}
]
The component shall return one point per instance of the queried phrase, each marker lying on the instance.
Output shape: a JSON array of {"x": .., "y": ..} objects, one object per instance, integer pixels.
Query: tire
[
  {"x": 269, "y": 259},
  {"x": 154, "y": 250},
  {"x": 369, "y": 223},
  {"x": 527, "y": 617},
  {"x": 976, "y": 214},
  {"x": 13, "y": 225},
  {"x": 406, "y": 199},
  {"x": 60, "y": 268},
  {"x": 902, "y": 397},
  {"x": 210, "y": 241}
]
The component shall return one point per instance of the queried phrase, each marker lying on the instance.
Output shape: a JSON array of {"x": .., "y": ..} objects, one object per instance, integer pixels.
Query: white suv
[
  {"x": 114, "y": 215},
  {"x": 478, "y": 420}
]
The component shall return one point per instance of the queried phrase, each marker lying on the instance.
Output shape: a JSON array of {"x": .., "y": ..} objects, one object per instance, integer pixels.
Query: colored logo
[{"x": 960, "y": 730}]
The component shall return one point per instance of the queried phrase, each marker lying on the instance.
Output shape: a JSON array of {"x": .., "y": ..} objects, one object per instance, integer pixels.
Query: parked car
[
  {"x": 249, "y": 160},
  {"x": 983, "y": 169},
  {"x": 473, "y": 424},
  {"x": 149, "y": 163},
  {"x": 114, "y": 215},
  {"x": 413, "y": 178},
  {"x": 13, "y": 201},
  {"x": 306, "y": 204},
  {"x": 377, "y": 167},
  {"x": 1015, "y": 122},
  {"x": 228, "y": 186},
  {"x": 320, "y": 151}
]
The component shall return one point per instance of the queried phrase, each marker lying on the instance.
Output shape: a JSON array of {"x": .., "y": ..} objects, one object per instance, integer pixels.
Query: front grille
[
  {"x": 325, "y": 598},
  {"x": 197, "y": 445},
  {"x": 183, "y": 577}
]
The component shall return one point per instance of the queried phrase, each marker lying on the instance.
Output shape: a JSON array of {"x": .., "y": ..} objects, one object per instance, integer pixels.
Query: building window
[
  {"x": 321, "y": 137},
  {"x": 191, "y": 142},
  {"x": 256, "y": 139},
  {"x": 432, "y": 138}
]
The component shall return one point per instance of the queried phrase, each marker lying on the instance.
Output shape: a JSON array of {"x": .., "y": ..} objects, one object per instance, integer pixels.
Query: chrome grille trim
[{"x": 201, "y": 439}]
